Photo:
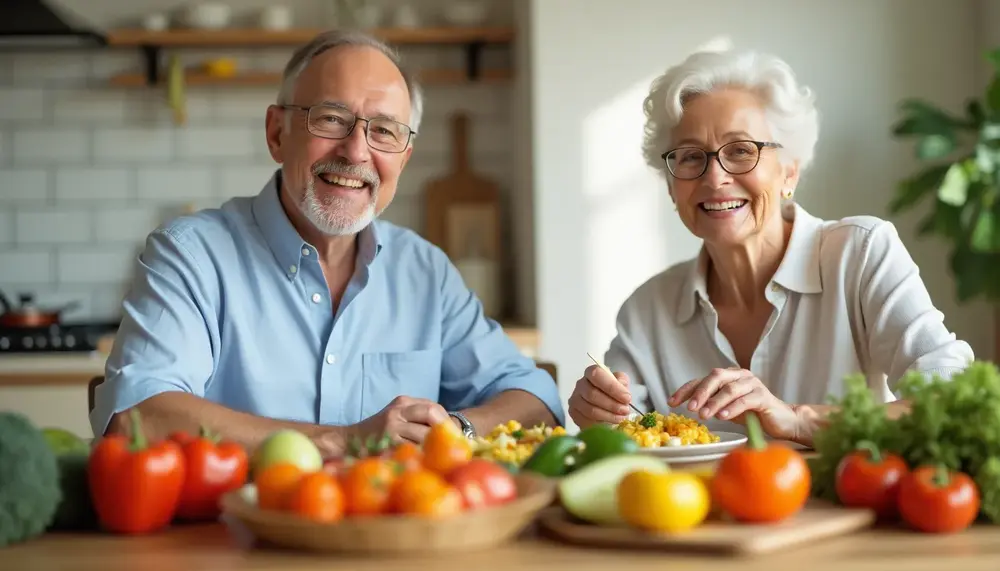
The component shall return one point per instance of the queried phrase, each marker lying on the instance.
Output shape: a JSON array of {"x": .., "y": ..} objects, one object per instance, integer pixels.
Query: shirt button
[
  {"x": 316, "y": 298},
  {"x": 330, "y": 359},
  {"x": 305, "y": 251},
  {"x": 293, "y": 269}
]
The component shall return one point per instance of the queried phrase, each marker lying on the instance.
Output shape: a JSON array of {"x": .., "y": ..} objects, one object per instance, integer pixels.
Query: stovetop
[{"x": 64, "y": 338}]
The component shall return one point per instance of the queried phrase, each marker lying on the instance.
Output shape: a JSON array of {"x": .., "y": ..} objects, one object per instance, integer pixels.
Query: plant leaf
[
  {"x": 935, "y": 146},
  {"x": 993, "y": 94},
  {"x": 975, "y": 112},
  {"x": 945, "y": 220},
  {"x": 984, "y": 233},
  {"x": 922, "y": 118},
  {"x": 954, "y": 187},
  {"x": 911, "y": 190}
]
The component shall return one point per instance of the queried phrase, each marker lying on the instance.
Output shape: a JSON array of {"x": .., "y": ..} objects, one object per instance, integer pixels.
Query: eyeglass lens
[
  {"x": 738, "y": 157},
  {"x": 335, "y": 123}
]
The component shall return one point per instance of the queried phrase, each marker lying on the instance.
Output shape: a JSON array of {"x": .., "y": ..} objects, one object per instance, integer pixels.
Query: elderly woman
[{"x": 779, "y": 305}]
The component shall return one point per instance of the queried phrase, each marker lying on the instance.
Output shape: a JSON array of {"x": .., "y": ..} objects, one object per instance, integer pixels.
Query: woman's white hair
[{"x": 789, "y": 107}]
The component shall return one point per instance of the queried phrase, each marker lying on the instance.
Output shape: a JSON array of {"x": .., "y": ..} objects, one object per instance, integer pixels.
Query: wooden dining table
[{"x": 219, "y": 547}]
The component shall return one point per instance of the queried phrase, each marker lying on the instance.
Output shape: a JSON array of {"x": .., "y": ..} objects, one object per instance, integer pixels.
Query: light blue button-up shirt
[{"x": 230, "y": 304}]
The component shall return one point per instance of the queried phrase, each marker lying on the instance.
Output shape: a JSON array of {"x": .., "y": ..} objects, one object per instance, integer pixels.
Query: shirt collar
[
  {"x": 285, "y": 241},
  {"x": 799, "y": 270}
]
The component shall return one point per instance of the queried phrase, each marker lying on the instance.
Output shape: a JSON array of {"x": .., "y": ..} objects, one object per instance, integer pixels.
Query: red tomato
[
  {"x": 870, "y": 479},
  {"x": 934, "y": 500},
  {"x": 483, "y": 483}
]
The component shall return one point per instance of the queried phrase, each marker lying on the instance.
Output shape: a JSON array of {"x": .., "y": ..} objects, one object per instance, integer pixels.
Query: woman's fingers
[
  {"x": 684, "y": 393},
  {"x": 590, "y": 414},
  {"x": 728, "y": 393},
  {"x": 596, "y": 397},
  {"x": 608, "y": 384},
  {"x": 754, "y": 400},
  {"x": 710, "y": 384}
]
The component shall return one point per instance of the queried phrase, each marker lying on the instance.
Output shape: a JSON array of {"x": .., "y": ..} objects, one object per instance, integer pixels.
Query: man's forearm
[
  {"x": 176, "y": 411},
  {"x": 814, "y": 417},
  {"x": 521, "y": 406}
]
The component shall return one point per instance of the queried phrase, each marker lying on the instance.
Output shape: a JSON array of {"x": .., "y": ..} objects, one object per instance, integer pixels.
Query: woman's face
[{"x": 719, "y": 207}]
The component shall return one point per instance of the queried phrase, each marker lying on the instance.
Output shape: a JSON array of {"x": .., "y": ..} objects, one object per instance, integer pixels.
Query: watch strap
[{"x": 467, "y": 428}]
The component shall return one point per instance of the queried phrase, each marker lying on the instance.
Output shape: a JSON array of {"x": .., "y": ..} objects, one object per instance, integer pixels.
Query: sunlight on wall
[{"x": 624, "y": 202}]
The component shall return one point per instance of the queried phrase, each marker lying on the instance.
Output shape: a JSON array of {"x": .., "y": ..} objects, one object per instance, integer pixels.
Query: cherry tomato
[
  {"x": 869, "y": 478},
  {"x": 318, "y": 497},
  {"x": 446, "y": 448},
  {"x": 483, "y": 483},
  {"x": 408, "y": 455},
  {"x": 411, "y": 490},
  {"x": 367, "y": 484},
  {"x": 276, "y": 484},
  {"x": 933, "y": 499}
]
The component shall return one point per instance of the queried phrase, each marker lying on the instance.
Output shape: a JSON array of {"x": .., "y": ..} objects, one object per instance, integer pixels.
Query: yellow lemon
[{"x": 670, "y": 501}]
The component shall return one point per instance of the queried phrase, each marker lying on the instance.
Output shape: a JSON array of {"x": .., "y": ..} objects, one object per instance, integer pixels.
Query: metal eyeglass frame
[
  {"x": 761, "y": 145},
  {"x": 367, "y": 120}
]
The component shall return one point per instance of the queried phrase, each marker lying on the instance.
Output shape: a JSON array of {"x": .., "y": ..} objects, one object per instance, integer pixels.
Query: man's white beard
[{"x": 331, "y": 215}]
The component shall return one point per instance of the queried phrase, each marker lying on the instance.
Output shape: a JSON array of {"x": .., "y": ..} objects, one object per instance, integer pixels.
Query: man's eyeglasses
[
  {"x": 737, "y": 157},
  {"x": 331, "y": 122}
]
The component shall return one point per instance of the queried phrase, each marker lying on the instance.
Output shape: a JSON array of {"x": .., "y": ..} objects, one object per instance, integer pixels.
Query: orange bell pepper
[
  {"x": 761, "y": 482},
  {"x": 135, "y": 484},
  {"x": 212, "y": 468}
]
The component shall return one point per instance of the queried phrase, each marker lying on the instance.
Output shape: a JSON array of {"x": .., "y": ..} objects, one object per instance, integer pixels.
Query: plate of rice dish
[{"x": 678, "y": 436}]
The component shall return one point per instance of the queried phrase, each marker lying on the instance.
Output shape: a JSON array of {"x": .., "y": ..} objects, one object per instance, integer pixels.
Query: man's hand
[{"x": 403, "y": 419}]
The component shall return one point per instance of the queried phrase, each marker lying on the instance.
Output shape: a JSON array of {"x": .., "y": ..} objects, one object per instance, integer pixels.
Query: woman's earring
[{"x": 786, "y": 194}]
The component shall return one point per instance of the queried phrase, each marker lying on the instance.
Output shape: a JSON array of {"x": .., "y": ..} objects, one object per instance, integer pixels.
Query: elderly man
[{"x": 296, "y": 309}]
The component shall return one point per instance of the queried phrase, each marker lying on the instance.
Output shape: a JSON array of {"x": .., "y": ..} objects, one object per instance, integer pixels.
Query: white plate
[
  {"x": 727, "y": 441},
  {"x": 692, "y": 459}
]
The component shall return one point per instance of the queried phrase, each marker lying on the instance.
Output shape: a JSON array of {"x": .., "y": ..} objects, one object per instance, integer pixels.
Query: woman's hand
[
  {"x": 599, "y": 397},
  {"x": 730, "y": 393}
]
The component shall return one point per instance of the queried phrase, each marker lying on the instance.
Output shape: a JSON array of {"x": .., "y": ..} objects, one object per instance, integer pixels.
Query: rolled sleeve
[
  {"x": 479, "y": 360},
  {"x": 905, "y": 331},
  {"x": 164, "y": 342}
]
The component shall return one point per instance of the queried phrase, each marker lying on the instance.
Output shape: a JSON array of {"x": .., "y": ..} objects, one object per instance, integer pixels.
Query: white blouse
[{"x": 847, "y": 298}]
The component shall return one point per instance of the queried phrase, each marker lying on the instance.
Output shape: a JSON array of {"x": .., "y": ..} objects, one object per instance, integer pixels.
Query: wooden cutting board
[
  {"x": 462, "y": 205},
  {"x": 817, "y": 521}
]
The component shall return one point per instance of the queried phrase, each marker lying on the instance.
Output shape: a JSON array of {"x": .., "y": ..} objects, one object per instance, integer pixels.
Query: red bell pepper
[
  {"x": 135, "y": 484},
  {"x": 212, "y": 469}
]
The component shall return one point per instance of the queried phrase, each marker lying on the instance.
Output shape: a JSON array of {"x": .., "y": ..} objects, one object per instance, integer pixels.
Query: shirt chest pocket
[{"x": 386, "y": 376}]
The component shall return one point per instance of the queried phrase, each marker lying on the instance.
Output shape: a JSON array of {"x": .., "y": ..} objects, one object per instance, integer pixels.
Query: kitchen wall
[
  {"x": 87, "y": 170},
  {"x": 603, "y": 220}
]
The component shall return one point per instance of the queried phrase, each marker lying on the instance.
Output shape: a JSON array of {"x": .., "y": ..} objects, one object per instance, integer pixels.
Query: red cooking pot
[{"x": 27, "y": 314}]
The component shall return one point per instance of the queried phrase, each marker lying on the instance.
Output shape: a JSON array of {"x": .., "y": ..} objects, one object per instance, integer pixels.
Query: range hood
[{"x": 35, "y": 24}]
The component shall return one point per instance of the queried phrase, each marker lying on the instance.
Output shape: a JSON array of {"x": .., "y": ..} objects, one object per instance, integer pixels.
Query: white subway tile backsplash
[
  {"x": 245, "y": 181},
  {"x": 51, "y": 146},
  {"x": 174, "y": 184},
  {"x": 130, "y": 225},
  {"x": 106, "y": 302},
  {"x": 26, "y": 266},
  {"x": 58, "y": 68},
  {"x": 23, "y": 185},
  {"x": 130, "y": 145},
  {"x": 199, "y": 143},
  {"x": 97, "y": 107},
  {"x": 54, "y": 226},
  {"x": 97, "y": 265},
  {"x": 6, "y": 228},
  {"x": 148, "y": 108},
  {"x": 248, "y": 105},
  {"x": 22, "y": 104},
  {"x": 86, "y": 184}
]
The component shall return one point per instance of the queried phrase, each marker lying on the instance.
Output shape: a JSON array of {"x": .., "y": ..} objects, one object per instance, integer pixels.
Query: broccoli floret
[{"x": 29, "y": 480}]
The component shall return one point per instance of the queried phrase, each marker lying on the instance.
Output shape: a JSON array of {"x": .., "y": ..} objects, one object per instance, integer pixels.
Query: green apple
[{"x": 287, "y": 446}]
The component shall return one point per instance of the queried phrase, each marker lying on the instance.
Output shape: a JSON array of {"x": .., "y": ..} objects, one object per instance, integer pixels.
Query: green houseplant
[{"x": 961, "y": 156}]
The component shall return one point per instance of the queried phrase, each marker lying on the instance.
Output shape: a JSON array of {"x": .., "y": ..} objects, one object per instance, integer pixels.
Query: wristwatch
[{"x": 467, "y": 429}]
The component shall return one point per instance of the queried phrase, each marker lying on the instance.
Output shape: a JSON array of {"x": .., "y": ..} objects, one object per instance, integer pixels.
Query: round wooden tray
[{"x": 397, "y": 534}]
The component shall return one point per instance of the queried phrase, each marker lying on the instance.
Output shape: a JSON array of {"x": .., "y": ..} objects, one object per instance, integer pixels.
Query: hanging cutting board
[
  {"x": 816, "y": 522},
  {"x": 463, "y": 218}
]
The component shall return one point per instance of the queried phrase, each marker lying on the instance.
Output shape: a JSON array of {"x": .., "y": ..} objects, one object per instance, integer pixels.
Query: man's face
[{"x": 340, "y": 185}]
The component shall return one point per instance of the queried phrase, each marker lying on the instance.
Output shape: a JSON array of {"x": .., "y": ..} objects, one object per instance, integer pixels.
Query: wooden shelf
[
  {"x": 257, "y": 37},
  {"x": 267, "y": 79}
]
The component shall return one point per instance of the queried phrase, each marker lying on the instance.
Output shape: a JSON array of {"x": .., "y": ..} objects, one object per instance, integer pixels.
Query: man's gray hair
[{"x": 337, "y": 38}]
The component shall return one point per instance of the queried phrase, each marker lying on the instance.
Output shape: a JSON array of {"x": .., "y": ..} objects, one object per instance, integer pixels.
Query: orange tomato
[
  {"x": 408, "y": 455},
  {"x": 483, "y": 483},
  {"x": 318, "y": 497},
  {"x": 412, "y": 486},
  {"x": 276, "y": 484},
  {"x": 445, "y": 502},
  {"x": 367, "y": 484},
  {"x": 445, "y": 448}
]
